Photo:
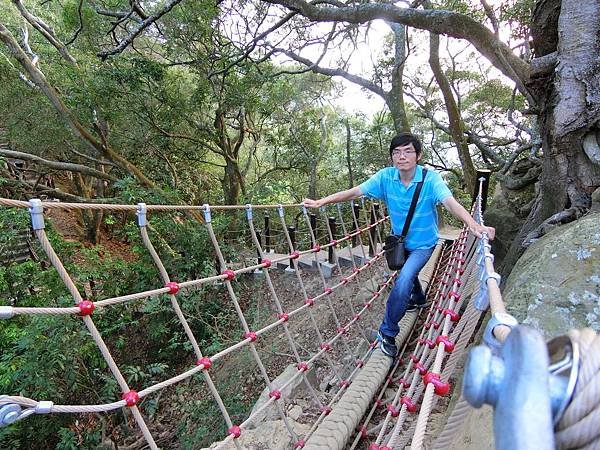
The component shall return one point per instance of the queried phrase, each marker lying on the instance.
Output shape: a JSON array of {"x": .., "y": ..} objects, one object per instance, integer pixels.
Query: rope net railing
[
  {"x": 427, "y": 359},
  {"x": 571, "y": 412},
  {"x": 338, "y": 297},
  {"x": 464, "y": 288},
  {"x": 342, "y": 248}
]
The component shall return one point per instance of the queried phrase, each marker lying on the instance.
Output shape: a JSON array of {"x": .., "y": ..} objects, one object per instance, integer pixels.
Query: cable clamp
[
  {"x": 44, "y": 407},
  {"x": 482, "y": 301},
  {"x": 37, "y": 214},
  {"x": 480, "y": 258},
  {"x": 249, "y": 211},
  {"x": 280, "y": 210},
  {"x": 496, "y": 276},
  {"x": 304, "y": 210},
  {"x": 483, "y": 273},
  {"x": 564, "y": 355},
  {"x": 207, "y": 216},
  {"x": 488, "y": 335},
  {"x": 141, "y": 214},
  {"x": 6, "y": 312}
]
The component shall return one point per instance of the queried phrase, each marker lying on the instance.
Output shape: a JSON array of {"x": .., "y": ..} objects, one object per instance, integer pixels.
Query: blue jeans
[{"x": 407, "y": 285}]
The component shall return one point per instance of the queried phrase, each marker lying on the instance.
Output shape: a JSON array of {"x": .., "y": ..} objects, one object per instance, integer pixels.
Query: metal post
[
  {"x": 258, "y": 250},
  {"x": 482, "y": 173},
  {"x": 292, "y": 232},
  {"x": 267, "y": 234},
  {"x": 313, "y": 225},
  {"x": 356, "y": 209},
  {"x": 373, "y": 231},
  {"x": 378, "y": 228},
  {"x": 333, "y": 227}
]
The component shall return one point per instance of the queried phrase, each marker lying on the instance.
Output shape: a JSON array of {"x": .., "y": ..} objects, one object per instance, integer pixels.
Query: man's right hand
[{"x": 310, "y": 203}]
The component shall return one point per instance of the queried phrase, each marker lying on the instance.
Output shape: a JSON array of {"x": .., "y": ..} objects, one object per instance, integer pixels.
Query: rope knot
[
  {"x": 250, "y": 335},
  {"x": 440, "y": 387},
  {"x": 235, "y": 431},
  {"x": 86, "y": 308},
  {"x": 229, "y": 274},
  {"x": 407, "y": 401},
  {"x": 448, "y": 346},
  {"x": 131, "y": 398},
  {"x": 205, "y": 362},
  {"x": 173, "y": 287},
  {"x": 276, "y": 394}
]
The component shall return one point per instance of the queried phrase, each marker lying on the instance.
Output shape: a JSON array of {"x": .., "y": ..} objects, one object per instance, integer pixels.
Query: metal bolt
[
  {"x": 483, "y": 377},
  {"x": 9, "y": 414}
]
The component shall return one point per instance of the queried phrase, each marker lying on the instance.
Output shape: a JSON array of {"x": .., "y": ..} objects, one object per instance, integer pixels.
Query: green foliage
[
  {"x": 54, "y": 357},
  {"x": 492, "y": 94},
  {"x": 517, "y": 13}
]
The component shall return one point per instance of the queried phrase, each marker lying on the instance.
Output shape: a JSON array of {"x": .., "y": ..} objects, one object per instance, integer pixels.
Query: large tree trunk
[
  {"x": 569, "y": 102},
  {"x": 348, "y": 155},
  {"x": 456, "y": 126},
  {"x": 232, "y": 183},
  {"x": 395, "y": 97}
]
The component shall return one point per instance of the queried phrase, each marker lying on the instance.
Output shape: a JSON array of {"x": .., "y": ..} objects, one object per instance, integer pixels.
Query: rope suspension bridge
[{"x": 379, "y": 403}]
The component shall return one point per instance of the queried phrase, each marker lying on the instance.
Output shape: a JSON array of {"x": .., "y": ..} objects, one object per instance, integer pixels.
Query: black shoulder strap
[{"x": 413, "y": 205}]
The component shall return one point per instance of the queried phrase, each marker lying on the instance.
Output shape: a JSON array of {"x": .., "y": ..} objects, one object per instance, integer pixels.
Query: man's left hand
[{"x": 478, "y": 230}]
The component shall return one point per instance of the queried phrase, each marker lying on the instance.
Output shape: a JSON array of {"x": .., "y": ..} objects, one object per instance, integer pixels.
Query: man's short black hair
[{"x": 402, "y": 139}]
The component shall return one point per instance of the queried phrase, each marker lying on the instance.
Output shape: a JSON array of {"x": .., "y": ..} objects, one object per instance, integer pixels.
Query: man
[{"x": 396, "y": 186}]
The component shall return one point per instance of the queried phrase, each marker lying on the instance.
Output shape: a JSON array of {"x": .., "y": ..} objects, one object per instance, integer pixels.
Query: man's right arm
[{"x": 341, "y": 196}]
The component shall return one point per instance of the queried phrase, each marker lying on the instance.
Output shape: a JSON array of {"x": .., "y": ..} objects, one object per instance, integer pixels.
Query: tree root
[{"x": 566, "y": 216}]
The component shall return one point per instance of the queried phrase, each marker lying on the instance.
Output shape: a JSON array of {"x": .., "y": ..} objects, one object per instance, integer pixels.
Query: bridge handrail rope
[
  {"x": 424, "y": 369},
  {"x": 120, "y": 207},
  {"x": 131, "y": 398},
  {"x": 488, "y": 294},
  {"x": 581, "y": 407},
  {"x": 392, "y": 406},
  {"x": 443, "y": 313}
]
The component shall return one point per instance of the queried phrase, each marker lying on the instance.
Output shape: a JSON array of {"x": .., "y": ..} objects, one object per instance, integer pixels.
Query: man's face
[{"x": 404, "y": 157}]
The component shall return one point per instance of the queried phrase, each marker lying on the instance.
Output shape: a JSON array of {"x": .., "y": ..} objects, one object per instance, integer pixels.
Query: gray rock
[
  {"x": 503, "y": 214},
  {"x": 271, "y": 435},
  {"x": 294, "y": 412},
  {"x": 555, "y": 285},
  {"x": 293, "y": 390}
]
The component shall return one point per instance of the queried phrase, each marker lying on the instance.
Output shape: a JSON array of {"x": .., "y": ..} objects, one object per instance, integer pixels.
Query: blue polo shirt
[{"x": 385, "y": 185}]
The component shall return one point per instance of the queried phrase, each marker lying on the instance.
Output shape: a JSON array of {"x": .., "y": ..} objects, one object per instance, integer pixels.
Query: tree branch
[
  {"x": 252, "y": 45},
  {"x": 57, "y": 165},
  {"x": 88, "y": 157},
  {"x": 445, "y": 22},
  {"x": 80, "y": 28},
  {"x": 141, "y": 27},
  {"x": 489, "y": 12},
  {"x": 55, "y": 193},
  {"x": 46, "y": 31},
  {"x": 52, "y": 95},
  {"x": 456, "y": 126},
  {"x": 362, "y": 82}
]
